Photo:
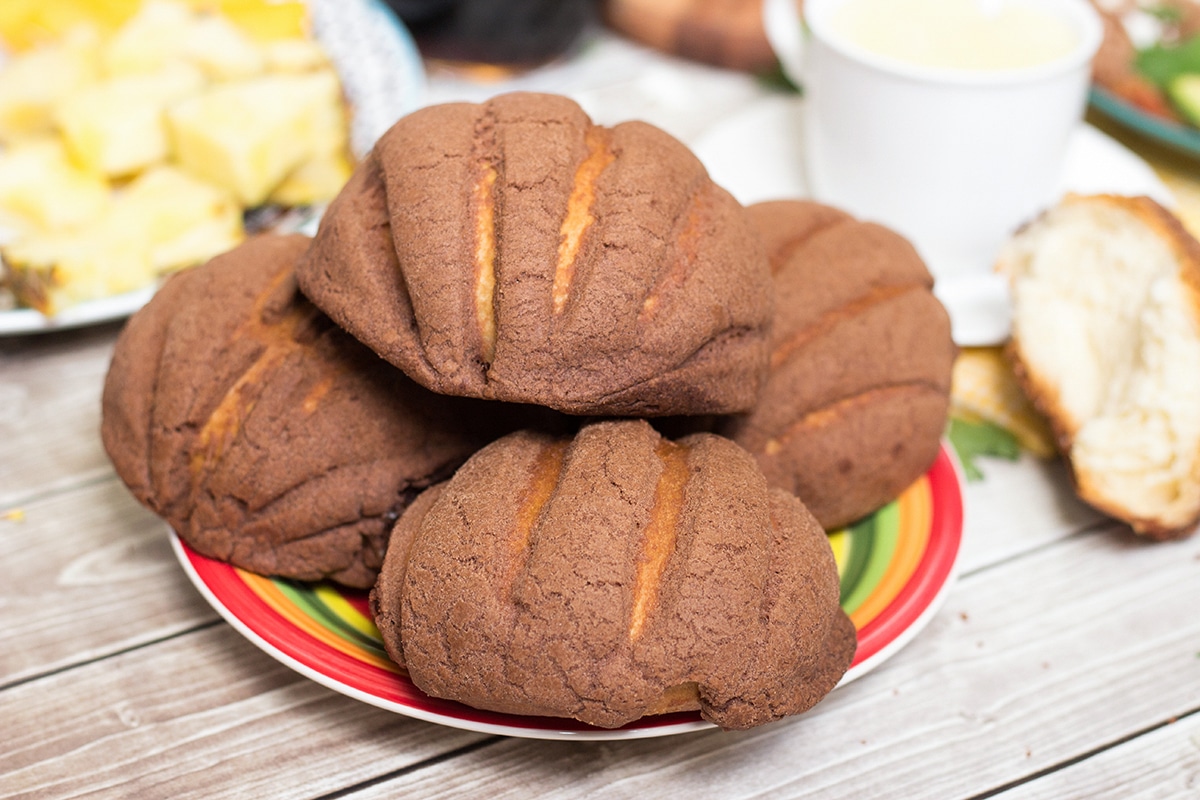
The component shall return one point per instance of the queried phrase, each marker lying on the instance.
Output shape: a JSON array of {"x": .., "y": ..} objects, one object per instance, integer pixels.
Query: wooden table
[{"x": 1065, "y": 662}]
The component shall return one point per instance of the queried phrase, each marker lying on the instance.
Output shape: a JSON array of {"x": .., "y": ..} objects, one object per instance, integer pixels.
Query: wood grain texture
[
  {"x": 50, "y": 412},
  {"x": 1019, "y": 506},
  {"x": 1014, "y": 676},
  {"x": 205, "y": 715},
  {"x": 86, "y": 573},
  {"x": 1162, "y": 764}
]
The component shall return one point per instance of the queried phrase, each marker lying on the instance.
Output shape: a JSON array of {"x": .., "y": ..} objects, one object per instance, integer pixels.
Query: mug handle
[{"x": 785, "y": 32}]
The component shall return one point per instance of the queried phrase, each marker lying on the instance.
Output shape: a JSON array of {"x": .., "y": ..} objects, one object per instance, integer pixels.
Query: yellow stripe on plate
[
  {"x": 346, "y": 612},
  {"x": 270, "y": 594},
  {"x": 840, "y": 542}
]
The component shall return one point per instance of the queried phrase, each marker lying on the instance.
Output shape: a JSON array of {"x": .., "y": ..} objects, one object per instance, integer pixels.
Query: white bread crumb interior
[{"x": 1107, "y": 330}]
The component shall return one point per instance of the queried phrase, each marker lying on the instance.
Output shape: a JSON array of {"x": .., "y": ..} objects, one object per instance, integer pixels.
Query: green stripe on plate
[
  {"x": 315, "y": 608},
  {"x": 860, "y": 539},
  {"x": 878, "y": 538}
]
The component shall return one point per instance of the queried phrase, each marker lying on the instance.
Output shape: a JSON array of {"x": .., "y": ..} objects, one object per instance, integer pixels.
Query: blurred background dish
[
  {"x": 141, "y": 138},
  {"x": 1146, "y": 76}
]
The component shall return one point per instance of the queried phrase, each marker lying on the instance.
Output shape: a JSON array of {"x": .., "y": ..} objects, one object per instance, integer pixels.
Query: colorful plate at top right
[{"x": 1177, "y": 136}]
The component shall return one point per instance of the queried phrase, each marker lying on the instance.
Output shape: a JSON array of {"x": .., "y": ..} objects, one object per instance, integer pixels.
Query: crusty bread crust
[
  {"x": 856, "y": 399},
  {"x": 264, "y": 435},
  {"x": 614, "y": 575},
  {"x": 512, "y": 250}
]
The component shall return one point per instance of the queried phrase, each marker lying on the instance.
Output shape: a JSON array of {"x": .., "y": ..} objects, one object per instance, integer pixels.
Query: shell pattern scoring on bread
[
  {"x": 612, "y": 575},
  {"x": 266, "y": 436},
  {"x": 513, "y": 250},
  {"x": 1106, "y": 343},
  {"x": 858, "y": 392}
]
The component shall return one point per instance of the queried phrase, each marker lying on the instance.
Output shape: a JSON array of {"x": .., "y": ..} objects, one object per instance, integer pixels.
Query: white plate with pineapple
[{"x": 140, "y": 142}]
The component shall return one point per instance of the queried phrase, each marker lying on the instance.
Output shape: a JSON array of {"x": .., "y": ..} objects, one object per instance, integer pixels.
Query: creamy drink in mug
[
  {"x": 956, "y": 34},
  {"x": 947, "y": 120}
]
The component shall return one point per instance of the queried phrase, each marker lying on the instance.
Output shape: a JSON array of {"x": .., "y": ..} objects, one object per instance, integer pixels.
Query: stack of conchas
[{"x": 489, "y": 271}]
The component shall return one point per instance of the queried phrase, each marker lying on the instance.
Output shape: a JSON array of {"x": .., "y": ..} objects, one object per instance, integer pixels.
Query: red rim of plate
[
  {"x": 908, "y": 613},
  {"x": 227, "y": 590}
]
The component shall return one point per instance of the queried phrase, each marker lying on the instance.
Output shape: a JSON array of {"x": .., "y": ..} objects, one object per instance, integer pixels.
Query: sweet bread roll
[
  {"x": 861, "y": 356},
  {"x": 725, "y": 33},
  {"x": 263, "y": 434},
  {"x": 512, "y": 250},
  {"x": 1106, "y": 343},
  {"x": 614, "y": 575}
]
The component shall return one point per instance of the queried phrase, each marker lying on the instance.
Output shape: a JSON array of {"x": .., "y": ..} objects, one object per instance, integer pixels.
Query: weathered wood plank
[
  {"x": 1015, "y": 676},
  {"x": 86, "y": 573},
  {"x": 1017, "y": 507},
  {"x": 204, "y": 715},
  {"x": 50, "y": 411},
  {"x": 1162, "y": 764}
]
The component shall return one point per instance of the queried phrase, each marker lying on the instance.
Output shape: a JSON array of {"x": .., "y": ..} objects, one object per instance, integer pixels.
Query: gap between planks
[
  {"x": 1080, "y": 758},
  {"x": 113, "y": 654}
]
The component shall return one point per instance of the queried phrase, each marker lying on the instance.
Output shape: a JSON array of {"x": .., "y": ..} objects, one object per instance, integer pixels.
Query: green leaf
[
  {"x": 974, "y": 439},
  {"x": 1172, "y": 15},
  {"x": 1162, "y": 63},
  {"x": 777, "y": 80}
]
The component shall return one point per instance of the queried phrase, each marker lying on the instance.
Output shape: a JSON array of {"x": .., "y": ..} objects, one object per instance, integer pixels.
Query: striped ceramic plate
[{"x": 895, "y": 568}]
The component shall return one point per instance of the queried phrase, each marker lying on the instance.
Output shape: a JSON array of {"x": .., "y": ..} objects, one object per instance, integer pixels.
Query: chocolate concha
[
  {"x": 266, "y": 436},
  {"x": 861, "y": 355},
  {"x": 613, "y": 575},
  {"x": 512, "y": 250}
]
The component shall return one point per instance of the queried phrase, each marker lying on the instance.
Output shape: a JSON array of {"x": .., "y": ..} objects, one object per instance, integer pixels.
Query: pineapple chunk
[
  {"x": 314, "y": 181},
  {"x": 162, "y": 221},
  {"x": 266, "y": 20},
  {"x": 39, "y": 185},
  {"x": 249, "y": 135},
  {"x": 183, "y": 220},
  {"x": 163, "y": 32},
  {"x": 33, "y": 83},
  {"x": 154, "y": 36},
  {"x": 331, "y": 129},
  {"x": 294, "y": 55},
  {"x": 222, "y": 51},
  {"x": 25, "y": 23},
  {"x": 28, "y": 23},
  {"x": 116, "y": 126},
  {"x": 50, "y": 272}
]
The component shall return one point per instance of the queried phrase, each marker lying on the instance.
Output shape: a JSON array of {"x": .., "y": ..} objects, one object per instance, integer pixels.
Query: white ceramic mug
[{"x": 954, "y": 159}]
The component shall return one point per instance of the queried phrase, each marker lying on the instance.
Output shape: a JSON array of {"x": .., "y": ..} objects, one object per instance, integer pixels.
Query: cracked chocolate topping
[
  {"x": 266, "y": 436},
  {"x": 859, "y": 385},
  {"x": 613, "y": 575},
  {"x": 513, "y": 250}
]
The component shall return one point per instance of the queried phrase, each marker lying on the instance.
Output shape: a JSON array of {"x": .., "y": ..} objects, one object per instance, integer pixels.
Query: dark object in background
[
  {"x": 724, "y": 33},
  {"x": 514, "y": 33}
]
